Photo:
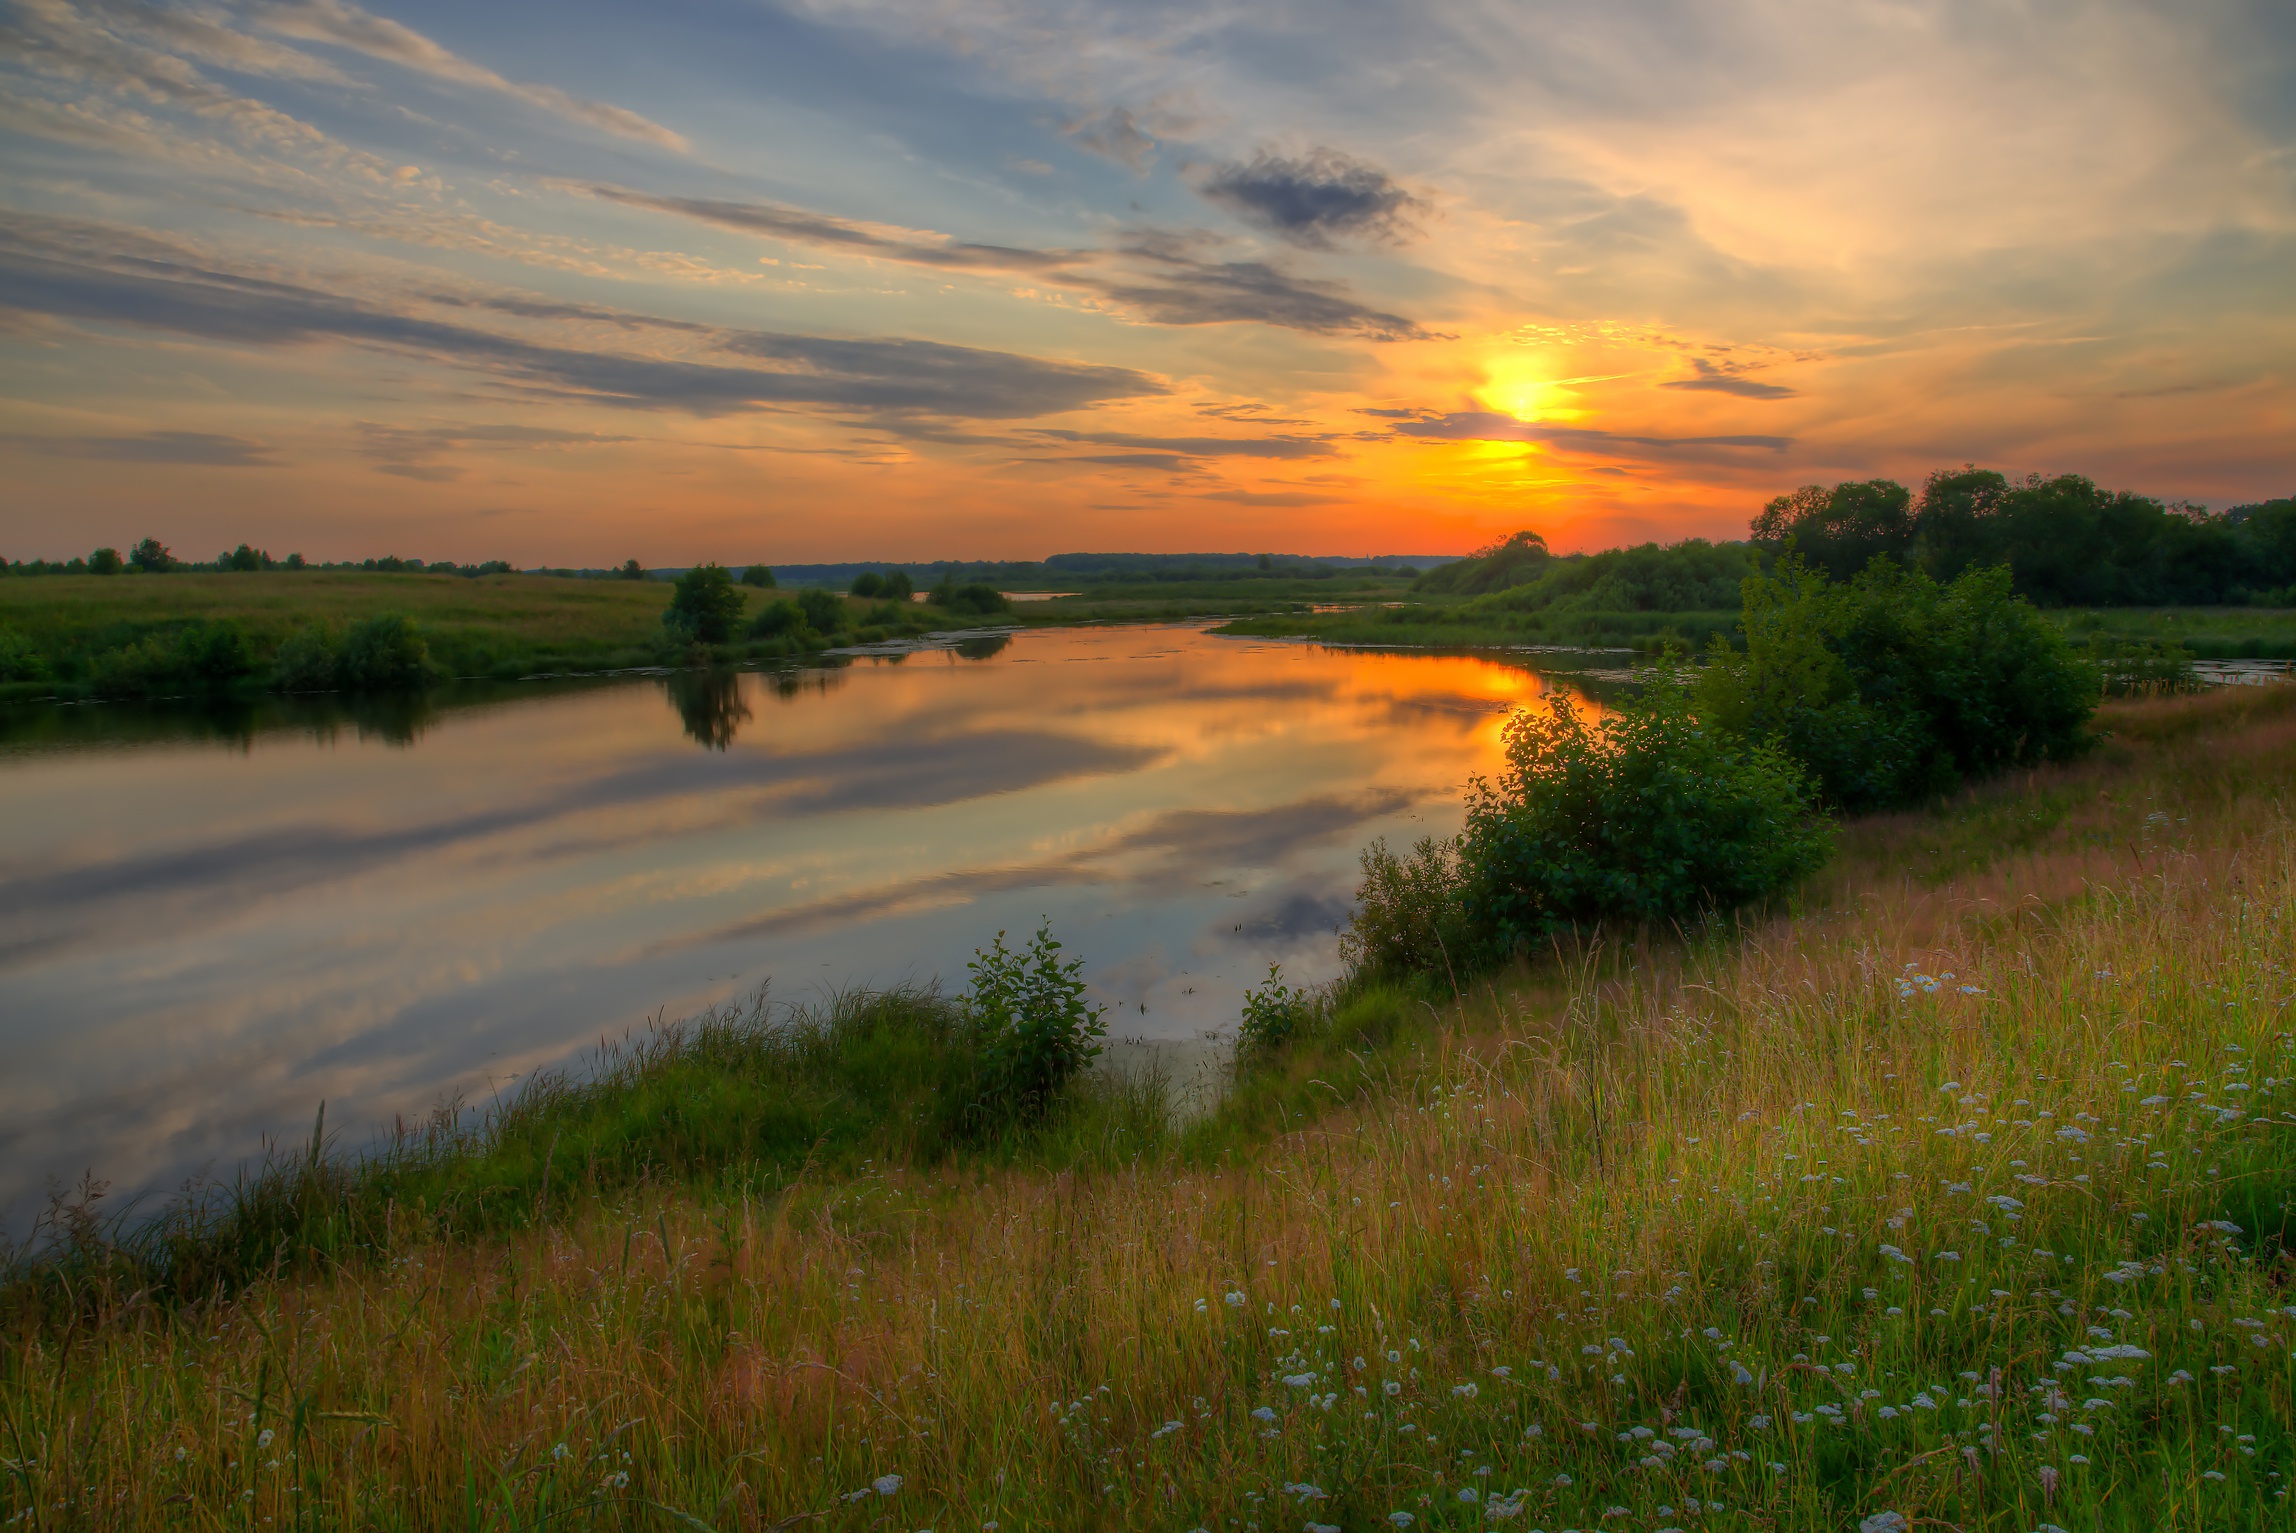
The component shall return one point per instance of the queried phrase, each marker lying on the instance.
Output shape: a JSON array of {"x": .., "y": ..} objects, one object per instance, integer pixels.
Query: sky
[{"x": 795, "y": 280}]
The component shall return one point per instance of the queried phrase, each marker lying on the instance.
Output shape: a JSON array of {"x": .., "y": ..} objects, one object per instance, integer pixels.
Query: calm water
[{"x": 209, "y": 923}]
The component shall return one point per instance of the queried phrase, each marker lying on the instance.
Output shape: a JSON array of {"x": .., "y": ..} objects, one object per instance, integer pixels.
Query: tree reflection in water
[{"x": 709, "y": 704}]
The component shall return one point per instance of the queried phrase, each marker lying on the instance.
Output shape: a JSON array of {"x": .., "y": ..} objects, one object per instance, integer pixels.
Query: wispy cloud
[
  {"x": 1164, "y": 277},
  {"x": 891, "y": 376},
  {"x": 347, "y": 26},
  {"x": 186, "y": 449},
  {"x": 1491, "y": 426}
]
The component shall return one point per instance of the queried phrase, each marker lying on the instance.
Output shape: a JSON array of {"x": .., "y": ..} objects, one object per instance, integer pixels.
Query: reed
[{"x": 1955, "y": 1194}]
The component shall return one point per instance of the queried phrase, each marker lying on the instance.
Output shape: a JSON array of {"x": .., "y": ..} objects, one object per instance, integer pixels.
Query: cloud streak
[
  {"x": 875, "y": 376},
  {"x": 1491, "y": 426},
  {"x": 347, "y": 26}
]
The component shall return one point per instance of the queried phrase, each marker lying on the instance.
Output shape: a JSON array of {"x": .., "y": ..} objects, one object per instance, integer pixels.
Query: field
[
  {"x": 474, "y": 626},
  {"x": 1954, "y": 1195}
]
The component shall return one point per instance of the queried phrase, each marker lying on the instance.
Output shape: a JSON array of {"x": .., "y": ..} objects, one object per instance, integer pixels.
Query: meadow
[{"x": 1951, "y": 1191}]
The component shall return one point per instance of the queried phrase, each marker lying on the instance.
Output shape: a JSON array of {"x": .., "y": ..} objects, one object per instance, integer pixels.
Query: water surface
[{"x": 210, "y": 922}]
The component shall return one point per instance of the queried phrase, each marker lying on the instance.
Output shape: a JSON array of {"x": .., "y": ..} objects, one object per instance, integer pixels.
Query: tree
[
  {"x": 705, "y": 606},
  {"x": 105, "y": 561},
  {"x": 631, "y": 570},
  {"x": 152, "y": 557},
  {"x": 758, "y": 576},
  {"x": 895, "y": 586},
  {"x": 868, "y": 583},
  {"x": 1841, "y": 530},
  {"x": 245, "y": 557}
]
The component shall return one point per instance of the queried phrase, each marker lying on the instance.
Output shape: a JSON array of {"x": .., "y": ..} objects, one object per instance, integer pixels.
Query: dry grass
[{"x": 1787, "y": 1228}]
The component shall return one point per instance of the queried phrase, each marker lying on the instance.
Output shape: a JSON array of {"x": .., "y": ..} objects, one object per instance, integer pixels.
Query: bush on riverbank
[
  {"x": 1649, "y": 815},
  {"x": 1891, "y": 687}
]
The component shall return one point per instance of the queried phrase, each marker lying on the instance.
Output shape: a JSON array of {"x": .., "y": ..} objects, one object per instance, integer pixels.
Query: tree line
[
  {"x": 2065, "y": 541},
  {"x": 152, "y": 557}
]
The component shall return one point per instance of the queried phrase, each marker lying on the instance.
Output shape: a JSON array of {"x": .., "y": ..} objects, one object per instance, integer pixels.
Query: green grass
[{"x": 2207, "y": 633}]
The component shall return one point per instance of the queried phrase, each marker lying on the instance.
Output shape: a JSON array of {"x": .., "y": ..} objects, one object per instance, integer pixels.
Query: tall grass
[{"x": 1954, "y": 1196}]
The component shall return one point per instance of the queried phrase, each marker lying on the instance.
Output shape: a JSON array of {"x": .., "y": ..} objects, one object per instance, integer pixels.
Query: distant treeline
[
  {"x": 1100, "y": 569},
  {"x": 152, "y": 557},
  {"x": 2066, "y": 542}
]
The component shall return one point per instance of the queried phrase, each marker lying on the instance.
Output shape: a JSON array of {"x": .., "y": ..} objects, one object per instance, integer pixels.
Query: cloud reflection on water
[{"x": 205, "y": 943}]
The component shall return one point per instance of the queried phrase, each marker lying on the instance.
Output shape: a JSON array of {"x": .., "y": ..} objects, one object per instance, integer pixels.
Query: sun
[{"x": 1526, "y": 388}]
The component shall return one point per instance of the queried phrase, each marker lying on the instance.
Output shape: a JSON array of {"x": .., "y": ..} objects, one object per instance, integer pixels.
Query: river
[{"x": 211, "y": 921}]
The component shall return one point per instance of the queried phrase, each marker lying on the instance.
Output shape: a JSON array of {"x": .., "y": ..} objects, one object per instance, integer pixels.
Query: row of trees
[
  {"x": 707, "y": 606},
  {"x": 152, "y": 557},
  {"x": 2065, "y": 541}
]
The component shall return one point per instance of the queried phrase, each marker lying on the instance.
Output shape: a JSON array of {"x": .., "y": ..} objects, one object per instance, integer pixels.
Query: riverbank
[
  {"x": 70, "y": 637},
  {"x": 1955, "y": 1191},
  {"x": 2203, "y": 633}
]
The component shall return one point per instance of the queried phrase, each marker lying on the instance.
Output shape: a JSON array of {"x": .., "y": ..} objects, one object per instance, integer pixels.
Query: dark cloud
[
  {"x": 1316, "y": 202},
  {"x": 1181, "y": 289},
  {"x": 1490, "y": 426},
  {"x": 1725, "y": 380},
  {"x": 884, "y": 376},
  {"x": 188, "y": 448},
  {"x": 807, "y": 228}
]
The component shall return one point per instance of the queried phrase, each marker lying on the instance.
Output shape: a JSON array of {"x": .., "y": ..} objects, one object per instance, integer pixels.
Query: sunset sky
[{"x": 911, "y": 279}]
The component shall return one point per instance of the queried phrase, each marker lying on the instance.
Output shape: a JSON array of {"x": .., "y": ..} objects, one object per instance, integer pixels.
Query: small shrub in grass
[
  {"x": 1274, "y": 1014},
  {"x": 19, "y": 660},
  {"x": 1032, "y": 1026},
  {"x": 1647, "y": 815},
  {"x": 821, "y": 610},
  {"x": 2143, "y": 667}
]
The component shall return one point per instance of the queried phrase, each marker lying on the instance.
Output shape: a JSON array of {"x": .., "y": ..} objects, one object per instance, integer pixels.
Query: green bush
[
  {"x": 1650, "y": 814},
  {"x": 776, "y": 618},
  {"x": 1033, "y": 1028},
  {"x": 1891, "y": 687},
  {"x": 2143, "y": 667},
  {"x": 306, "y": 662},
  {"x": 1274, "y": 1014},
  {"x": 976, "y": 597},
  {"x": 868, "y": 583},
  {"x": 1410, "y": 914},
  {"x": 19, "y": 661},
  {"x": 822, "y": 611},
  {"x": 759, "y": 576},
  {"x": 200, "y": 657},
  {"x": 705, "y": 606},
  {"x": 385, "y": 653},
  {"x": 106, "y": 561}
]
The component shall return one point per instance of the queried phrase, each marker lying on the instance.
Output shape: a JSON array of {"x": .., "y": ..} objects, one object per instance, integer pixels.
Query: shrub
[
  {"x": 19, "y": 661},
  {"x": 1648, "y": 815},
  {"x": 1410, "y": 916},
  {"x": 106, "y": 561},
  {"x": 1034, "y": 1029},
  {"x": 776, "y": 618},
  {"x": 758, "y": 576},
  {"x": 306, "y": 662},
  {"x": 2143, "y": 667},
  {"x": 1274, "y": 1014},
  {"x": 1892, "y": 687},
  {"x": 822, "y": 611},
  {"x": 895, "y": 586},
  {"x": 868, "y": 583},
  {"x": 385, "y": 653},
  {"x": 705, "y": 606}
]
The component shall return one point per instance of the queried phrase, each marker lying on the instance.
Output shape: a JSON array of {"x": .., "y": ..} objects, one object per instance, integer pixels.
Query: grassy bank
[
  {"x": 1955, "y": 1191},
  {"x": 74, "y": 636}
]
